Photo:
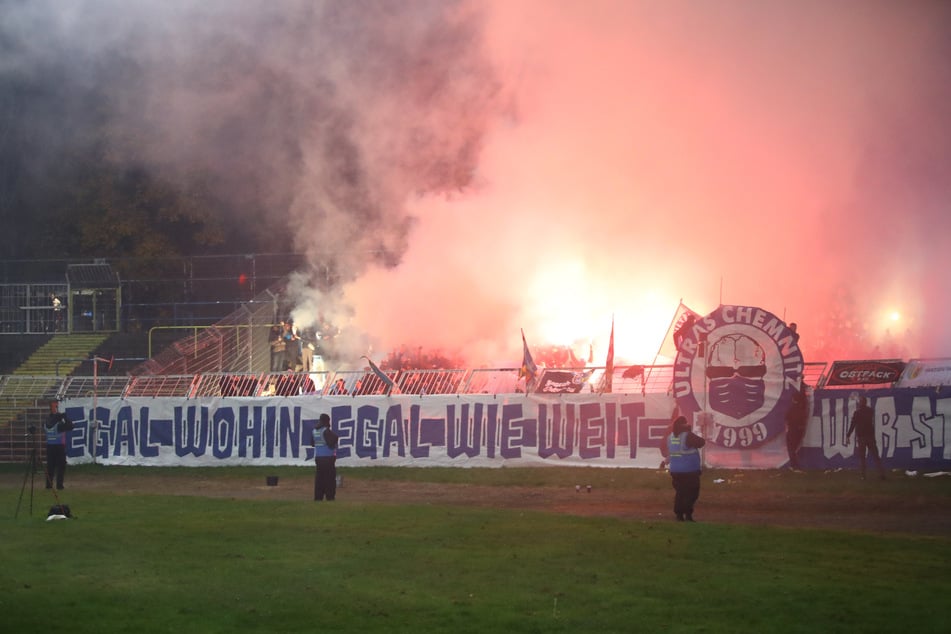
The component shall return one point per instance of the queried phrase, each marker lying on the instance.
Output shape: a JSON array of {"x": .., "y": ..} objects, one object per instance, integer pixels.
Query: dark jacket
[
  {"x": 798, "y": 413},
  {"x": 863, "y": 423},
  {"x": 56, "y": 427}
]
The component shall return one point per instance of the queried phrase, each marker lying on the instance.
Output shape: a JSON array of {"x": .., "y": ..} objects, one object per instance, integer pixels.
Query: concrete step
[{"x": 61, "y": 355}]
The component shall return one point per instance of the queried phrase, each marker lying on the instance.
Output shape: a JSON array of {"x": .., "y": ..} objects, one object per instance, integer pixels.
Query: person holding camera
[
  {"x": 56, "y": 428},
  {"x": 324, "y": 440}
]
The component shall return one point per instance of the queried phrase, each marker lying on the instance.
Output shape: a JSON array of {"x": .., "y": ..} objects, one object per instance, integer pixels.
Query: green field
[{"x": 167, "y": 563}]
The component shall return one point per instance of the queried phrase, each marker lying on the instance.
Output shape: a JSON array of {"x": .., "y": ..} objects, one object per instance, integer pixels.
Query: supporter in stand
[
  {"x": 292, "y": 345},
  {"x": 287, "y": 384},
  {"x": 228, "y": 384},
  {"x": 683, "y": 331},
  {"x": 57, "y": 305},
  {"x": 271, "y": 388},
  {"x": 326, "y": 338},
  {"x": 794, "y": 328},
  {"x": 277, "y": 347},
  {"x": 308, "y": 340}
]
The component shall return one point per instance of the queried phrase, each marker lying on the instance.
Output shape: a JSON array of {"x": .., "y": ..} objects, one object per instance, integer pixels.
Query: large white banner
[{"x": 437, "y": 430}]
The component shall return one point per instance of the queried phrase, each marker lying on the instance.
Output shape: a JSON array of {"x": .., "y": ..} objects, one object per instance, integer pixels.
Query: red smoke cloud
[{"x": 762, "y": 154}]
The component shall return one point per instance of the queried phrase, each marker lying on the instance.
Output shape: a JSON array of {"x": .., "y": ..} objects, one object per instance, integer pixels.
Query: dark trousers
[
  {"x": 55, "y": 465},
  {"x": 686, "y": 492},
  {"x": 794, "y": 436},
  {"x": 325, "y": 480},
  {"x": 868, "y": 447}
]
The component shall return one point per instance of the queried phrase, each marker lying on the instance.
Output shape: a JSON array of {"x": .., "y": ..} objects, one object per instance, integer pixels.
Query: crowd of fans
[
  {"x": 404, "y": 358},
  {"x": 560, "y": 357},
  {"x": 297, "y": 352}
]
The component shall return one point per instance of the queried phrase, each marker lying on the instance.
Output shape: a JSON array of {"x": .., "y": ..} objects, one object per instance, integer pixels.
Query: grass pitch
[{"x": 165, "y": 562}]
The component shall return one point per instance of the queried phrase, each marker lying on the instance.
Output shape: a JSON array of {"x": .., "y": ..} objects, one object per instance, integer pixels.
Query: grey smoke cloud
[{"x": 320, "y": 116}]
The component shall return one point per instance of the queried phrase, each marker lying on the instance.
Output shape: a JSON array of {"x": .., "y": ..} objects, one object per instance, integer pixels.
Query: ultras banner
[
  {"x": 437, "y": 430},
  {"x": 913, "y": 428}
]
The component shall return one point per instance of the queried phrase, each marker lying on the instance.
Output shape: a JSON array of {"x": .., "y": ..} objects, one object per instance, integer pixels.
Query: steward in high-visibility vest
[
  {"x": 325, "y": 456},
  {"x": 685, "y": 464},
  {"x": 683, "y": 458}
]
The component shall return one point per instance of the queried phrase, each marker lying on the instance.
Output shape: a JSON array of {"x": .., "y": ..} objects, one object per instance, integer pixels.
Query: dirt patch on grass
[{"x": 868, "y": 507}]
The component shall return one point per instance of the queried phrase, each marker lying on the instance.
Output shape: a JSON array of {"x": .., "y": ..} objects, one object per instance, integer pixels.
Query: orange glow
[{"x": 569, "y": 307}]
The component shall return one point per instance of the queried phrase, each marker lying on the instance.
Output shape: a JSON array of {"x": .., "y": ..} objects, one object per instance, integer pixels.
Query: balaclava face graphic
[{"x": 735, "y": 370}]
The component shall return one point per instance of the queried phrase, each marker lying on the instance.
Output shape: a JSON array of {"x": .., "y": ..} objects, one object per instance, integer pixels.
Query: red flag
[{"x": 608, "y": 383}]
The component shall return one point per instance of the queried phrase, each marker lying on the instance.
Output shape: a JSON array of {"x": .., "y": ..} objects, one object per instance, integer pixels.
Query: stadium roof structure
[{"x": 91, "y": 276}]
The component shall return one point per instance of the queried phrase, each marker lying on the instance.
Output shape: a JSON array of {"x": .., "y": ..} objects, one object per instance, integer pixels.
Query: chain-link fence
[{"x": 166, "y": 291}]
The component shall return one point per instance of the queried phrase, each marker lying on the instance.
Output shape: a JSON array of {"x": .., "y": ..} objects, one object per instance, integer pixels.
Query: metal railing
[
  {"x": 195, "y": 342},
  {"x": 33, "y": 389},
  {"x": 27, "y": 308}
]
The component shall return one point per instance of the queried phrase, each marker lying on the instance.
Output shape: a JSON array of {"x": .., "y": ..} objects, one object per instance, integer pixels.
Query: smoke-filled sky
[{"x": 472, "y": 168}]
